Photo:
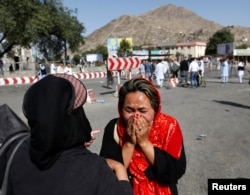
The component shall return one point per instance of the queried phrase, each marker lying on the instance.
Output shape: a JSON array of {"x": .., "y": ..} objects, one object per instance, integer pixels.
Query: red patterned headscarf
[{"x": 165, "y": 134}]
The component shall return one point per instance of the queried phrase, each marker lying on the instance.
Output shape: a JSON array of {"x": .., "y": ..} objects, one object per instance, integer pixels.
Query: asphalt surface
[{"x": 220, "y": 111}]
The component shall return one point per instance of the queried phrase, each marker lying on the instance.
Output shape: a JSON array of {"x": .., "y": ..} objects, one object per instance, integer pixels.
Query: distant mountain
[{"x": 162, "y": 25}]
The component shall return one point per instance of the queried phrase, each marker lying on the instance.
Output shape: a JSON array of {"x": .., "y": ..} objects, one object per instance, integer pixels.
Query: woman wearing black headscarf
[{"x": 55, "y": 161}]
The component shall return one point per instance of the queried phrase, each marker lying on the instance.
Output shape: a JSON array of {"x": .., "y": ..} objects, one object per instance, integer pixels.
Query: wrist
[
  {"x": 129, "y": 145},
  {"x": 145, "y": 144}
]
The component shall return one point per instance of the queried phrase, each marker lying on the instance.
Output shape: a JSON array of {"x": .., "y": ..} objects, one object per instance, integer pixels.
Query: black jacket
[{"x": 76, "y": 172}]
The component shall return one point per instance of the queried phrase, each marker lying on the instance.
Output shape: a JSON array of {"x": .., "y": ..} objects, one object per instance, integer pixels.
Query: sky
[{"x": 94, "y": 14}]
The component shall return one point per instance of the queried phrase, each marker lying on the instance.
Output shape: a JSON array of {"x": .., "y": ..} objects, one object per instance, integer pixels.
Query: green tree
[
  {"x": 242, "y": 46},
  {"x": 76, "y": 59},
  {"x": 222, "y": 36},
  {"x": 137, "y": 47},
  {"x": 102, "y": 50},
  {"x": 125, "y": 48},
  {"x": 46, "y": 24},
  {"x": 15, "y": 26}
]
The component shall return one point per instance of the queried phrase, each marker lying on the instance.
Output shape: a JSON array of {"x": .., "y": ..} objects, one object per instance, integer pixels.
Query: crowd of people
[
  {"x": 60, "y": 68},
  {"x": 226, "y": 66},
  {"x": 187, "y": 70}
]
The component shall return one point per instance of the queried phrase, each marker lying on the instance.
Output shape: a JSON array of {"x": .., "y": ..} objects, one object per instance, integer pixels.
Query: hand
[
  {"x": 142, "y": 130},
  {"x": 118, "y": 168},
  {"x": 93, "y": 137},
  {"x": 131, "y": 131}
]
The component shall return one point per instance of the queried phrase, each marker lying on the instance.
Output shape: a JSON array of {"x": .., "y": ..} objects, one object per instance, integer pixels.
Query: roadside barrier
[{"x": 31, "y": 79}]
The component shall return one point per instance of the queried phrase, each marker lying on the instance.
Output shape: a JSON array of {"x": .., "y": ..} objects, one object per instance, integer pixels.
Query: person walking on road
[
  {"x": 42, "y": 71},
  {"x": 176, "y": 68},
  {"x": 142, "y": 69},
  {"x": 160, "y": 71},
  {"x": 224, "y": 71},
  {"x": 193, "y": 71},
  {"x": 184, "y": 70},
  {"x": 201, "y": 69},
  {"x": 110, "y": 79},
  {"x": 241, "y": 69},
  {"x": 148, "y": 70},
  {"x": 1, "y": 67}
]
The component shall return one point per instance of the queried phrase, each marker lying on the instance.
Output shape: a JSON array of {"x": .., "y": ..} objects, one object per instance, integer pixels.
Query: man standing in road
[
  {"x": 1, "y": 67},
  {"x": 160, "y": 70},
  {"x": 193, "y": 70},
  {"x": 184, "y": 70}
]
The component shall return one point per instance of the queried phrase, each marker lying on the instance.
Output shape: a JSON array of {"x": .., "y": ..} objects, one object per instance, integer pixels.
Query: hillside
[{"x": 162, "y": 25}]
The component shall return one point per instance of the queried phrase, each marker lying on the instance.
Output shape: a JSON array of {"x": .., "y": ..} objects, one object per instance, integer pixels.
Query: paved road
[{"x": 221, "y": 111}]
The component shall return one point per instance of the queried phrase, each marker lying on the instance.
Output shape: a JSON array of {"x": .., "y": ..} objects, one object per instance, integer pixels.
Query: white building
[
  {"x": 192, "y": 49},
  {"x": 23, "y": 59}
]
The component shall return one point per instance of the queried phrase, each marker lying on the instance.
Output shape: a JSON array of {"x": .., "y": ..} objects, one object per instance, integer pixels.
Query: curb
[{"x": 31, "y": 79}]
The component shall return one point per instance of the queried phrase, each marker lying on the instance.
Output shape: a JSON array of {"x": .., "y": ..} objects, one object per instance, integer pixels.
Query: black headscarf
[{"x": 53, "y": 107}]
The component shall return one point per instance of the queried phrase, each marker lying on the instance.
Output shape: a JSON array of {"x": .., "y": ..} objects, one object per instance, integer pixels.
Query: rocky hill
[{"x": 166, "y": 24}]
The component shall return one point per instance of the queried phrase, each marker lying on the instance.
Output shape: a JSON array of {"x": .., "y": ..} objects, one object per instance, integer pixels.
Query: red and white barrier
[
  {"x": 17, "y": 80},
  {"x": 30, "y": 80},
  {"x": 90, "y": 75},
  {"x": 123, "y": 63}
]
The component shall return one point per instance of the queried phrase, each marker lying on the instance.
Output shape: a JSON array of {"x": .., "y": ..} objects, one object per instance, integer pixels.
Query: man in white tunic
[{"x": 160, "y": 70}]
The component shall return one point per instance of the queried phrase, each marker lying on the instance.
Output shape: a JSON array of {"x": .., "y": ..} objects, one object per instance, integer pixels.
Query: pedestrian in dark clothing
[
  {"x": 176, "y": 68},
  {"x": 148, "y": 70},
  {"x": 184, "y": 70},
  {"x": 11, "y": 68},
  {"x": 110, "y": 79},
  {"x": 1, "y": 67}
]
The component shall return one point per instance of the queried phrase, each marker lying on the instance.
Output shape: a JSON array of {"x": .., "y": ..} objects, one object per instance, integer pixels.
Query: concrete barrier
[{"x": 31, "y": 79}]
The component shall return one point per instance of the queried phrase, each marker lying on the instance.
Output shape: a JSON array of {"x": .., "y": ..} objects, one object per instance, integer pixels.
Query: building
[
  {"x": 22, "y": 60},
  {"x": 191, "y": 49}
]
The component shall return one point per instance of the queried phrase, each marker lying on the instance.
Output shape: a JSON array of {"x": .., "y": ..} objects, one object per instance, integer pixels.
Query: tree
[
  {"x": 222, "y": 36},
  {"x": 15, "y": 25},
  {"x": 137, "y": 47},
  {"x": 242, "y": 46},
  {"x": 44, "y": 23},
  {"x": 125, "y": 48},
  {"x": 76, "y": 59},
  {"x": 102, "y": 50},
  {"x": 65, "y": 32}
]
